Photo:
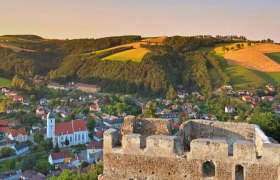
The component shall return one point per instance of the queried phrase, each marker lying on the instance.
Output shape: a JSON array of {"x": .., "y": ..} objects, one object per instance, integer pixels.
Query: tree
[
  {"x": 91, "y": 124},
  {"x": 56, "y": 148},
  {"x": 32, "y": 97},
  {"x": 28, "y": 162},
  {"x": 10, "y": 164},
  {"x": 171, "y": 94},
  {"x": 66, "y": 142},
  {"x": 47, "y": 144},
  {"x": 43, "y": 167},
  {"x": 6, "y": 152},
  {"x": 268, "y": 122},
  {"x": 84, "y": 164},
  {"x": 99, "y": 167},
  {"x": 38, "y": 137},
  {"x": 150, "y": 111},
  {"x": 238, "y": 46}
]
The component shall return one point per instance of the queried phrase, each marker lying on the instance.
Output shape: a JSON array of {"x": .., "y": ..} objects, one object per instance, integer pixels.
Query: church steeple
[{"x": 51, "y": 125}]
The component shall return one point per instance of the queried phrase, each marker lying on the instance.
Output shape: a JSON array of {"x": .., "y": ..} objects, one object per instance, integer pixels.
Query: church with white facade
[{"x": 75, "y": 131}]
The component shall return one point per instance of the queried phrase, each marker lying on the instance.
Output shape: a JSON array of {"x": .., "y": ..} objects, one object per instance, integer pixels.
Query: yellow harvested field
[
  {"x": 158, "y": 40},
  {"x": 232, "y": 47},
  {"x": 14, "y": 48},
  {"x": 255, "y": 58},
  {"x": 135, "y": 55}
]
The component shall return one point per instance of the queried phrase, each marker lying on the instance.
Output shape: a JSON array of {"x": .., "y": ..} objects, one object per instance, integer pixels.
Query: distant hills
[{"x": 132, "y": 64}]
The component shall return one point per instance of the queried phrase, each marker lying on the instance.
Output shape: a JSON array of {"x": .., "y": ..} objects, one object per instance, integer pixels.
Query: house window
[
  {"x": 208, "y": 169},
  {"x": 79, "y": 138},
  {"x": 75, "y": 137},
  {"x": 82, "y": 137},
  {"x": 70, "y": 138},
  {"x": 239, "y": 172}
]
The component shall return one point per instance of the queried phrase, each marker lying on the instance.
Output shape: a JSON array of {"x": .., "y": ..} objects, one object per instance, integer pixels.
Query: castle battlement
[
  {"x": 231, "y": 149},
  {"x": 154, "y": 145}
]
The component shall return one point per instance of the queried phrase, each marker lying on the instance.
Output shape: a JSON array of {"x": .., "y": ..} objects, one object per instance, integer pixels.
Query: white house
[
  {"x": 94, "y": 155},
  {"x": 58, "y": 158},
  {"x": 74, "y": 131},
  {"x": 19, "y": 135},
  {"x": 229, "y": 109}
]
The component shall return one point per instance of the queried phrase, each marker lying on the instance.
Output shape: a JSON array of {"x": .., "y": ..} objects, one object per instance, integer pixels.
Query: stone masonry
[{"x": 233, "y": 150}]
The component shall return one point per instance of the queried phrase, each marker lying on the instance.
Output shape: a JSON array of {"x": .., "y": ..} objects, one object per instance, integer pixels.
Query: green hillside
[{"x": 240, "y": 76}]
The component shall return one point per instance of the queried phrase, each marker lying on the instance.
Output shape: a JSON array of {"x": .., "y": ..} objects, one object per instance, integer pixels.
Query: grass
[
  {"x": 5, "y": 82},
  {"x": 274, "y": 56},
  {"x": 135, "y": 55},
  {"x": 240, "y": 77}
]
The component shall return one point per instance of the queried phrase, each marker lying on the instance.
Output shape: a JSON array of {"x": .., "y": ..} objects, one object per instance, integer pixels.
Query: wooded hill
[{"x": 177, "y": 61}]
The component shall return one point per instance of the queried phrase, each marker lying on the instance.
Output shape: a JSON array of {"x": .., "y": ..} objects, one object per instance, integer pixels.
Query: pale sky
[{"x": 256, "y": 19}]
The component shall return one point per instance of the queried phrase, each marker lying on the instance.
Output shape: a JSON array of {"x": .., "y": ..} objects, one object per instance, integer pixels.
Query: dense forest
[{"x": 175, "y": 62}]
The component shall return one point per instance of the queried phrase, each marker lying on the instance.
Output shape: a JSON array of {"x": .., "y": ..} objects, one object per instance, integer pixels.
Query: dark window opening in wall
[
  {"x": 239, "y": 172},
  {"x": 208, "y": 169},
  {"x": 186, "y": 144}
]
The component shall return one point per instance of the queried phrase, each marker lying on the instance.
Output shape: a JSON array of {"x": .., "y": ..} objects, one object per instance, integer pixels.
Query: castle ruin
[{"x": 200, "y": 150}]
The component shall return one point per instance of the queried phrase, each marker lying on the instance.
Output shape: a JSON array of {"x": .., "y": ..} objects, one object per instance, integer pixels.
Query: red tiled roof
[
  {"x": 4, "y": 129},
  {"x": 99, "y": 134},
  {"x": 4, "y": 123},
  {"x": 60, "y": 155},
  {"x": 70, "y": 127},
  {"x": 16, "y": 132},
  {"x": 79, "y": 125},
  {"x": 17, "y": 97},
  {"x": 63, "y": 128},
  {"x": 95, "y": 145}
]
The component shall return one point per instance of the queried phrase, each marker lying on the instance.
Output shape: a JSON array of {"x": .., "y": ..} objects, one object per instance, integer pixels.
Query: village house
[
  {"x": 10, "y": 109},
  {"x": 21, "y": 148},
  {"x": 40, "y": 110},
  {"x": 44, "y": 101},
  {"x": 77, "y": 160},
  {"x": 83, "y": 98},
  {"x": 209, "y": 117},
  {"x": 277, "y": 111},
  {"x": 270, "y": 87},
  {"x": 4, "y": 89},
  {"x": 229, "y": 109},
  {"x": 10, "y": 93},
  {"x": 116, "y": 123},
  {"x": 95, "y": 108},
  {"x": 53, "y": 85},
  {"x": 25, "y": 102},
  {"x": 19, "y": 135},
  {"x": 93, "y": 155},
  {"x": 246, "y": 98},
  {"x": 269, "y": 98},
  {"x": 60, "y": 109},
  {"x": 32, "y": 175},
  {"x": 58, "y": 158},
  {"x": 11, "y": 174},
  {"x": 89, "y": 88}
]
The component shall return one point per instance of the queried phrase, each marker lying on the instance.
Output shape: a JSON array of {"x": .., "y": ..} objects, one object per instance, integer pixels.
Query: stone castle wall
[{"x": 164, "y": 157}]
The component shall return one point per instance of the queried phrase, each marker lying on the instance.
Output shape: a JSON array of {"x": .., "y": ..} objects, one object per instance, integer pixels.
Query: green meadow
[{"x": 5, "y": 82}]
